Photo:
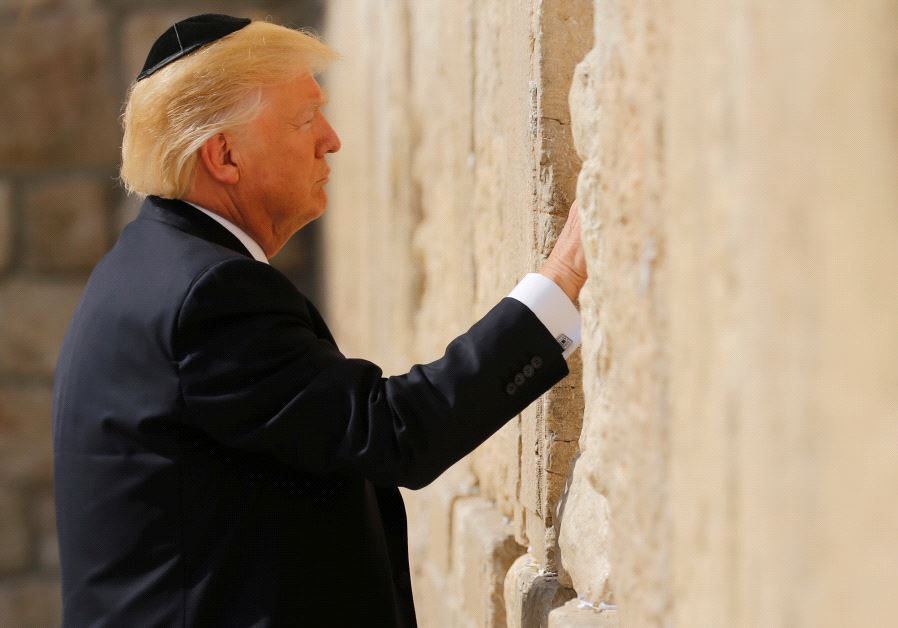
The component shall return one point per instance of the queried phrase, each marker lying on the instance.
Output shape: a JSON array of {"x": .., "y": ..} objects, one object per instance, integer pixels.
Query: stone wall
[
  {"x": 65, "y": 66},
  {"x": 723, "y": 452},
  {"x": 456, "y": 172},
  {"x": 726, "y": 452}
]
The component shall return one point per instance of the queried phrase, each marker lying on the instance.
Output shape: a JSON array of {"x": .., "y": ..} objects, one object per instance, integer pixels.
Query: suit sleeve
[{"x": 255, "y": 376}]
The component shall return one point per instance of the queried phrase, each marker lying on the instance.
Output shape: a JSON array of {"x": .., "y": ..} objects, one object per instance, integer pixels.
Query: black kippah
[{"x": 188, "y": 35}]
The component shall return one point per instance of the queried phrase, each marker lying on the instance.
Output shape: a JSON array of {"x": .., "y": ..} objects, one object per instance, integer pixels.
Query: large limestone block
[
  {"x": 530, "y": 593},
  {"x": 561, "y": 35},
  {"x": 496, "y": 464},
  {"x": 66, "y": 224},
  {"x": 483, "y": 549},
  {"x": 430, "y": 518},
  {"x": 428, "y": 588},
  {"x": 616, "y": 110},
  {"x": 579, "y": 614},
  {"x": 783, "y": 305},
  {"x": 34, "y": 316},
  {"x": 585, "y": 537},
  {"x": 65, "y": 105},
  {"x": 549, "y": 433}
]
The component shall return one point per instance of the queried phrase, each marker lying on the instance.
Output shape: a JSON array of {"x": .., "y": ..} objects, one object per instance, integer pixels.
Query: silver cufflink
[{"x": 564, "y": 341}]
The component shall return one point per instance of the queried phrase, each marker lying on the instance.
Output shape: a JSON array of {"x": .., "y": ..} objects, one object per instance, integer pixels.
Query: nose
[{"x": 330, "y": 141}]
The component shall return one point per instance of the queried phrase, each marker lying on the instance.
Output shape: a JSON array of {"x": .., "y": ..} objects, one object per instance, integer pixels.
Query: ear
[{"x": 216, "y": 156}]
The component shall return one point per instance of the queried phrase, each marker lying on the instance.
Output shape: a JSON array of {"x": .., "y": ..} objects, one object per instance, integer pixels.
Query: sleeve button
[
  {"x": 511, "y": 388},
  {"x": 536, "y": 361},
  {"x": 519, "y": 379},
  {"x": 528, "y": 370}
]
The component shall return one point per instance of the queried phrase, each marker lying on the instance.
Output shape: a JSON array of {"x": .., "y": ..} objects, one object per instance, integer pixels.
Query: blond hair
[{"x": 171, "y": 114}]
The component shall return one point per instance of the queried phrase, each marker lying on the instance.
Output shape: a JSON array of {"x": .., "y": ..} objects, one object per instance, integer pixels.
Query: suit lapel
[{"x": 189, "y": 219}]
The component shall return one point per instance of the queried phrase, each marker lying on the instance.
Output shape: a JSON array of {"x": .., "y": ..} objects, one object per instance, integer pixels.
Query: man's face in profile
[{"x": 283, "y": 168}]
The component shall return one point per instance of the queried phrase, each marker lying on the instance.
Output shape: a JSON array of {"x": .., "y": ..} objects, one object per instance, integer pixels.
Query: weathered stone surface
[
  {"x": 530, "y": 593},
  {"x": 441, "y": 114},
  {"x": 6, "y": 225},
  {"x": 579, "y": 614},
  {"x": 30, "y": 602},
  {"x": 737, "y": 199},
  {"x": 14, "y": 536},
  {"x": 483, "y": 550},
  {"x": 64, "y": 103},
  {"x": 66, "y": 224},
  {"x": 585, "y": 537},
  {"x": 783, "y": 302},
  {"x": 34, "y": 316},
  {"x": 615, "y": 521},
  {"x": 26, "y": 455}
]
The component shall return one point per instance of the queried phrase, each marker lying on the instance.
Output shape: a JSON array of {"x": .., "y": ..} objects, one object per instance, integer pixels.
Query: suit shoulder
[{"x": 240, "y": 286}]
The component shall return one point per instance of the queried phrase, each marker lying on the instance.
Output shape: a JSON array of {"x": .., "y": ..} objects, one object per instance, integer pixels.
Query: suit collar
[{"x": 189, "y": 219}]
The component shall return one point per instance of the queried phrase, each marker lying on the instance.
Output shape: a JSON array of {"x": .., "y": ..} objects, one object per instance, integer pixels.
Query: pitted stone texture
[
  {"x": 26, "y": 456},
  {"x": 6, "y": 225},
  {"x": 550, "y": 428},
  {"x": 621, "y": 471},
  {"x": 34, "y": 316},
  {"x": 66, "y": 224},
  {"x": 530, "y": 593},
  {"x": 65, "y": 105},
  {"x": 577, "y": 614}
]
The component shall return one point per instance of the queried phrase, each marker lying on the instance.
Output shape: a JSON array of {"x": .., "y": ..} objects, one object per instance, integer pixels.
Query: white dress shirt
[
  {"x": 544, "y": 297},
  {"x": 250, "y": 244},
  {"x": 552, "y": 307}
]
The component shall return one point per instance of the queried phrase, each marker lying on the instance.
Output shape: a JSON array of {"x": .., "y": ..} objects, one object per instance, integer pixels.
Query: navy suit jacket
[{"x": 219, "y": 462}]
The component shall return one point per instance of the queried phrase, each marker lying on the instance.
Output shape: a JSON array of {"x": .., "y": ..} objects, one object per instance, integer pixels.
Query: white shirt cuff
[{"x": 552, "y": 307}]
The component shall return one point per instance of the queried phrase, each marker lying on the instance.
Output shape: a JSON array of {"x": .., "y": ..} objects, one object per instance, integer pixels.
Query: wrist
[{"x": 569, "y": 283}]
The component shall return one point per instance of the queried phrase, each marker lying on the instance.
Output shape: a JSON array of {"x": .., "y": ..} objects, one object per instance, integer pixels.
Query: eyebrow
[{"x": 320, "y": 102}]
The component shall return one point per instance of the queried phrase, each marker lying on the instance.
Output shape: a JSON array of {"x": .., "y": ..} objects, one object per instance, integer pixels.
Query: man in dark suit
[{"x": 218, "y": 461}]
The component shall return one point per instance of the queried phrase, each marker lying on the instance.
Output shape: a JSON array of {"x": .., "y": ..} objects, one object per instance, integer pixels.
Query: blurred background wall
[
  {"x": 724, "y": 451},
  {"x": 65, "y": 66}
]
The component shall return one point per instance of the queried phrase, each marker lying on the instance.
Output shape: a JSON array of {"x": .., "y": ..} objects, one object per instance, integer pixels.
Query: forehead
[
  {"x": 296, "y": 97},
  {"x": 306, "y": 91}
]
